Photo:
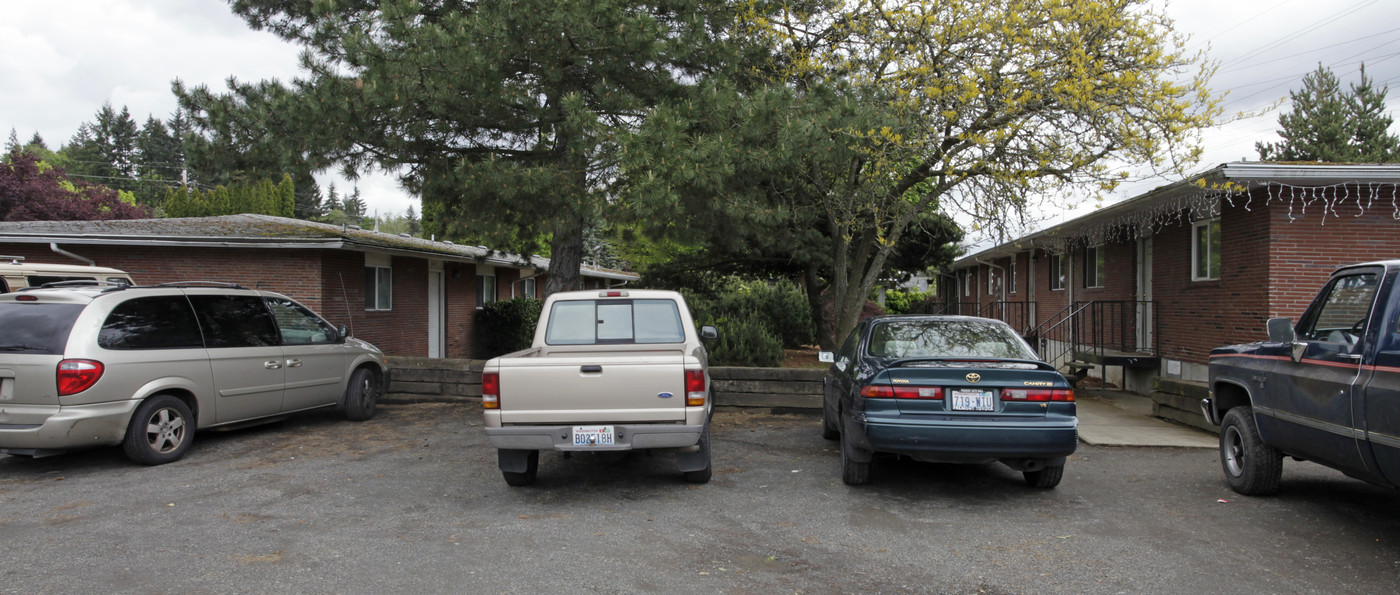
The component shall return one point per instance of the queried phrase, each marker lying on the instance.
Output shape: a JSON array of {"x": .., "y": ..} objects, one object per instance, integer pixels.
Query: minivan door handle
[
  {"x": 591, "y": 369},
  {"x": 293, "y": 363},
  {"x": 272, "y": 364}
]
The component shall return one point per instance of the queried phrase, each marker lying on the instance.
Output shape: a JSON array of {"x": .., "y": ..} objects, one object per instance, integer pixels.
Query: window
[
  {"x": 38, "y": 328},
  {"x": 1011, "y": 272},
  {"x": 1205, "y": 250},
  {"x": 298, "y": 325},
  {"x": 163, "y": 322},
  {"x": 485, "y": 290},
  {"x": 235, "y": 321},
  {"x": 991, "y": 282},
  {"x": 527, "y": 288},
  {"x": 379, "y": 288},
  {"x": 1057, "y": 271},
  {"x": 967, "y": 282},
  {"x": 1341, "y": 316},
  {"x": 594, "y": 322},
  {"x": 1094, "y": 266}
]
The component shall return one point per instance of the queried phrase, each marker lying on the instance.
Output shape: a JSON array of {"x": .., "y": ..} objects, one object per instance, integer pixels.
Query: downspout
[{"x": 54, "y": 246}]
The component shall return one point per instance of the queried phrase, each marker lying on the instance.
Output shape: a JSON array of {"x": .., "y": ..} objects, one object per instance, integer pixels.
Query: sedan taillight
[
  {"x": 491, "y": 390},
  {"x": 1037, "y": 394},
  {"x": 77, "y": 375},
  {"x": 884, "y": 391}
]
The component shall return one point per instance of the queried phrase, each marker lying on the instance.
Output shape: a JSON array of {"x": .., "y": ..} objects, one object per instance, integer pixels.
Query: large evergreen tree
[
  {"x": 1330, "y": 125},
  {"x": 504, "y": 116}
]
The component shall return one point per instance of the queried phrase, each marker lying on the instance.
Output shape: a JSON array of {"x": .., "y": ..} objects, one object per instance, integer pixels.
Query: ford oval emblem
[
  {"x": 974, "y": 377},
  {"x": 665, "y": 395}
]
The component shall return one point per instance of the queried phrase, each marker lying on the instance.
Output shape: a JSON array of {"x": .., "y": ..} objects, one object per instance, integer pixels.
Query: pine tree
[
  {"x": 36, "y": 141},
  {"x": 332, "y": 201},
  {"x": 355, "y": 207},
  {"x": 12, "y": 144},
  {"x": 1333, "y": 126}
]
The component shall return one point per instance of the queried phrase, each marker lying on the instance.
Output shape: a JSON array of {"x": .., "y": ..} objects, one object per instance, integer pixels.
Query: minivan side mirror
[
  {"x": 342, "y": 333},
  {"x": 708, "y": 333},
  {"x": 1280, "y": 330}
]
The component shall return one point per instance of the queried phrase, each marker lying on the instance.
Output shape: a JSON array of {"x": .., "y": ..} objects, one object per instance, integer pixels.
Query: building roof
[
  {"x": 1225, "y": 180},
  {"x": 265, "y": 231}
]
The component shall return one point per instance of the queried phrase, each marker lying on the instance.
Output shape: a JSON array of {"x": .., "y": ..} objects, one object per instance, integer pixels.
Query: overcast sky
[{"x": 61, "y": 59}]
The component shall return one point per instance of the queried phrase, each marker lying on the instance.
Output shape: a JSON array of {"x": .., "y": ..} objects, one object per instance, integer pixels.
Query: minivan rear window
[{"x": 28, "y": 327}]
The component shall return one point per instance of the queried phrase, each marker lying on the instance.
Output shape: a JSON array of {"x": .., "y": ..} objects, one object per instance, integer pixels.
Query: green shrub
[
  {"x": 907, "y": 302},
  {"x": 506, "y": 326},
  {"x": 780, "y": 307},
  {"x": 744, "y": 342}
]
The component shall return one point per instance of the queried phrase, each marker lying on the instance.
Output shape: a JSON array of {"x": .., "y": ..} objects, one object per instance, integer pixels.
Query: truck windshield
[{"x": 613, "y": 322}]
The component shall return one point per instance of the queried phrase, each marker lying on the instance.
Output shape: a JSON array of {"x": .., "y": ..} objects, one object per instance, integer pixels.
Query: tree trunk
[
  {"x": 566, "y": 256},
  {"x": 816, "y": 302}
]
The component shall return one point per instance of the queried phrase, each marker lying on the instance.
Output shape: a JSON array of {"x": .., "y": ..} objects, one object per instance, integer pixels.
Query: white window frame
[
  {"x": 991, "y": 281},
  {"x": 527, "y": 287},
  {"x": 1098, "y": 273},
  {"x": 1196, "y": 274},
  {"x": 482, "y": 297},
  {"x": 968, "y": 281},
  {"x": 382, "y": 277},
  {"x": 1011, "y": 274},
  {"x": 1058, "y": 278}
]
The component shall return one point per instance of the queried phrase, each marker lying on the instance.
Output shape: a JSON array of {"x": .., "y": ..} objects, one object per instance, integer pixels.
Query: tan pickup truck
[{"x": 609, "y": 370}]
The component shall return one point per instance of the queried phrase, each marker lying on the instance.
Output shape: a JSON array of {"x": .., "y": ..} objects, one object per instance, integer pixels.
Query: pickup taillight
[
  {"x": 694, "y": 388},
  {"x": 885, "y": 391},
  {"x": 1037, "y": 394},
  {"x": 491, "y": 390}
]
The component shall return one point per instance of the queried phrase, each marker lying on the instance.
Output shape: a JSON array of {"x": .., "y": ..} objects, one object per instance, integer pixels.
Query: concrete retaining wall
[
  {"x": 418, "y": 379},
  {"x": 1180, "y": 401}
]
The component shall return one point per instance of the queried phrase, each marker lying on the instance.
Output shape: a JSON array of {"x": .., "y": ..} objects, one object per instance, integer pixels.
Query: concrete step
[{"x": 1185, "y": 388}]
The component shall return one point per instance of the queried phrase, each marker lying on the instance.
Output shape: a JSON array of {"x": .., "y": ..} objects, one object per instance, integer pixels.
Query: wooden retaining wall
[{"x": 418, "y": 379}]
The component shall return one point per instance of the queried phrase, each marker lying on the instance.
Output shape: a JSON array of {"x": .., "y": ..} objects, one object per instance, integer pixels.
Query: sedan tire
[
  {"x": 1047, "y": 477},
  {"x": 829, "y": 430},
  {"x": 1251, "y": 467},
  {"x": 853, "y": 472},
  {"x": 160, "y": 431}
]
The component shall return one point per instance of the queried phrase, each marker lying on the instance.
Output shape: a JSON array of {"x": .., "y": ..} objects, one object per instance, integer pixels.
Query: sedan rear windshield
[
  {"x": 28, "y": 327},
  {"x": 946, "y": 338},
  {"x": 613, "y": 322}
]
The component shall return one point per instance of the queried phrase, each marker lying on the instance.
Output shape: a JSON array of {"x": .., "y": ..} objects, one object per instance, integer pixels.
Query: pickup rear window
[
  {"x": 36, "y": 327},
  {"x": 614, "y": 322}
]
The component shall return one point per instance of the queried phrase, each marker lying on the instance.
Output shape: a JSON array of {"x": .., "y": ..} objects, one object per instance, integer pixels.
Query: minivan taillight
[
  {"x": 77, "y": 375},
  {"x": 491, "y": 390},
  {"x": 1037, "y": 394},
  {"x": 694, "y": 388}
]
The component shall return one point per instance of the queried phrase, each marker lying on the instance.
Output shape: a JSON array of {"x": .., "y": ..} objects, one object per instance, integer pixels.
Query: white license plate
[
  {"x": 972, "y": 400},
  {"x": 593, "y": 435}
]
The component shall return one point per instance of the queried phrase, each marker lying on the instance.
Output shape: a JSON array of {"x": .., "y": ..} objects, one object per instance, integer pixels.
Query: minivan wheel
[
  {"x": 159, "y": 432},
  {"x": 361, "y": 395}
]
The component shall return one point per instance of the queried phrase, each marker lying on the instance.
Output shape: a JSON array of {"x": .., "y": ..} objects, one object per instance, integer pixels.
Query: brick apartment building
[
  {"x": 409, "y": 296},
  {"x": 1155, "y": 282}
]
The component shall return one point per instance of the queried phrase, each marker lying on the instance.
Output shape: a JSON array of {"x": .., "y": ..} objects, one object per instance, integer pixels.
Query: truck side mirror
[
  {"x": 1280, "y": 330},
  {"x": 708, "y": 333}
]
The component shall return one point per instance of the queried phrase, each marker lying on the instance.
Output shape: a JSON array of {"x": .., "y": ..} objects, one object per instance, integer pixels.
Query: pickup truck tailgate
[{"x": 635, "y": 388}]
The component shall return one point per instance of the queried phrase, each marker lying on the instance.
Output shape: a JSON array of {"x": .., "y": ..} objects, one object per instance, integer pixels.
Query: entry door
[
  {"x": 1145, "y": 340},
  {"x": 437, "y": 315}
]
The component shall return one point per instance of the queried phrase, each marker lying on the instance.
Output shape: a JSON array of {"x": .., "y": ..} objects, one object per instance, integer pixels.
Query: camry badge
[
  {"x": 665, "y": 395},
  {"x": 974, "y": 377}
]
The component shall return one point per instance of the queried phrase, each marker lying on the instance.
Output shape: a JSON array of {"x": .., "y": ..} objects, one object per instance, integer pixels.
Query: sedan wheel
[{"x": 852, "y": 472}]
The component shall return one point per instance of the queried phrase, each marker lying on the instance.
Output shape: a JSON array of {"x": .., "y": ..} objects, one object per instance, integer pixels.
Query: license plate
[
  {"x": 593, "y": 435},
  {"x": 972, "y": 400}
]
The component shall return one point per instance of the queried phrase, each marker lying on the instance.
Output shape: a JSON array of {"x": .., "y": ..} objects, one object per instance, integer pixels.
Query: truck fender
[
  {"x": 513, "y": 461},
  {"x": 1226, "y": 394}
]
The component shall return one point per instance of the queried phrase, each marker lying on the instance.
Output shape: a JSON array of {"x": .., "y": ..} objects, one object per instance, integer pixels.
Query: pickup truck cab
[
  {"x": 1325, "y": 390},
  {"x": 608, "y": 370}
]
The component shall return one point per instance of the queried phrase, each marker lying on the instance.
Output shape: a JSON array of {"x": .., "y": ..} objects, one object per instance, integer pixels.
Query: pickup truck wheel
[
  {"x": 160, "y": 431},
  {"x": 526, "y": 477},
  {"x": 1048, "y": 477},
  {"x": 853, "y": 473},
  {"x": 702, "y": 475},
  {"x": 1251, "y": 467},
  {"x": 829, "y": 430},
  {"x": 361, "y": 395}
]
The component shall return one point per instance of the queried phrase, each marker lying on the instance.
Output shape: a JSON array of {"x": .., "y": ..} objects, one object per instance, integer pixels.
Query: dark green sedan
[{"x": 948, "y": 389}]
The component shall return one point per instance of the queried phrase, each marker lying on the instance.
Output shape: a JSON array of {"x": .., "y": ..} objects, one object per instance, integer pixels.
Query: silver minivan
[{"x": 144, "y": 367}]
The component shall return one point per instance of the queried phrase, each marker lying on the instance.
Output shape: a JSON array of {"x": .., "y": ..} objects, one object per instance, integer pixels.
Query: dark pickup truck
[{"x": 1326, "y": 390}]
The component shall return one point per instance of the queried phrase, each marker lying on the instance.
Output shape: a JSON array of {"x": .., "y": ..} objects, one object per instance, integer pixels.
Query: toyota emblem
[{"x": 974, "y": 377}]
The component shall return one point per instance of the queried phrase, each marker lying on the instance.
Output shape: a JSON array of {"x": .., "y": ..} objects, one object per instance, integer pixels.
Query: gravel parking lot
[{"x": 412, "y": 501}]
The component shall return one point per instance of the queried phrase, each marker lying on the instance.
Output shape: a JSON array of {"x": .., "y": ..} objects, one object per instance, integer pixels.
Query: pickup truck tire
[
  {"x": 526, "y": 477},
  {"x": 361, "y": 394},
  {"x": 853, "y": 473},
  {"x": 1251, "y": 467},
  {"x": 1047, "y": 477},
  {"x": 829, "y": 430},
  {"x": 702, "y": 475}
]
